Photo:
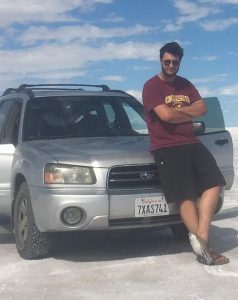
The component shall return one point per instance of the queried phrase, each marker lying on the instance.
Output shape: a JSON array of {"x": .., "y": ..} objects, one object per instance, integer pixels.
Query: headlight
[{"x": 66, "y": 174}]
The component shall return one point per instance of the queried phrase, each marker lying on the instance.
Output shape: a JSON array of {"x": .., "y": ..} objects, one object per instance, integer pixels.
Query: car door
[
  {"x": 9, "y": 126},
  {"x": 217, "y": 139}
]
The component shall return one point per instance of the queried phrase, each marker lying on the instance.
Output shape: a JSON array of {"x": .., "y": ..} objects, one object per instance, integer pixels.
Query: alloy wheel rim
[{"x": 23, "y": 221}]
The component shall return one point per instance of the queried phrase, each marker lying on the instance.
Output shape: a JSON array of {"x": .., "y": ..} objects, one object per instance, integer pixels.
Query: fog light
[{"x": 71, "y": 215}]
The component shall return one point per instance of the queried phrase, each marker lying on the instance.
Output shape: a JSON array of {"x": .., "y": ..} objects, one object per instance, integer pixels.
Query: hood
[{"x": 98, "y": 151}]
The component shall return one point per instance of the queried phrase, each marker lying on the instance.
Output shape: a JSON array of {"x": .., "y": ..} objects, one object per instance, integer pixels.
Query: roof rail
[
  {"x": 9, "y": 91},
  {"x": 30, "y": 87},
  {"x": 56, "y": 86}
]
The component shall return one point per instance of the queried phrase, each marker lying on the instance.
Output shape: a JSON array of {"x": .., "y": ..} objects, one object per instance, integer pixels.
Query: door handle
[{"x": 222, "y": 142}]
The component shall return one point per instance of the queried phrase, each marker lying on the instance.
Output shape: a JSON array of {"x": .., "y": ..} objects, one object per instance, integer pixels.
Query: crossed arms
[{"x": 182, "y": 114}]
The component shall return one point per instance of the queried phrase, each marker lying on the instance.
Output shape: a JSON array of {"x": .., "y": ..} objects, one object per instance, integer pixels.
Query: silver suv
[{"x": 75, "y": 157}]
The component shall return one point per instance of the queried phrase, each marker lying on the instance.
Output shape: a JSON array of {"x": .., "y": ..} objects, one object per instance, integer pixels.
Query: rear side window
[
  {"x": 213, "y": 119},
  {"x": 5, "y": 108},
  {"x": 9, "y": 134}
]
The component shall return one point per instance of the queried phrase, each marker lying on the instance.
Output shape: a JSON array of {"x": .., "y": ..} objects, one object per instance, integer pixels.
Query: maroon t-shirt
[{"x": 178, "y": 93}]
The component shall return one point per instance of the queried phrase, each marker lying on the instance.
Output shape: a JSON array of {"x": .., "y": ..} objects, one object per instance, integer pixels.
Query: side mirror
[{"x": 199, "y": 127}]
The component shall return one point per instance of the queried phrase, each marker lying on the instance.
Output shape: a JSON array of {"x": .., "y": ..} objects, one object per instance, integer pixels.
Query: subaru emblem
[{"x": 146, "y": 175}]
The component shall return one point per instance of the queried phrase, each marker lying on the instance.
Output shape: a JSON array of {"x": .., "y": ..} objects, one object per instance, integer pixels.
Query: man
[{"x": 187, "y": 169}]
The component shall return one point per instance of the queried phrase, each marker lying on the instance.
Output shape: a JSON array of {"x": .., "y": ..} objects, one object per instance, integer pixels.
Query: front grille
[{"x": 133, "y": 177}]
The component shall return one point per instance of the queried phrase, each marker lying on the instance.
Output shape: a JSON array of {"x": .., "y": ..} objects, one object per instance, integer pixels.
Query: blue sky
[{"x": 117, "y": 42}]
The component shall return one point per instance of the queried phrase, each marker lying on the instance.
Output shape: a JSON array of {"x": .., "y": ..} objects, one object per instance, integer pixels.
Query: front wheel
[{"x": 30, "y": 242}]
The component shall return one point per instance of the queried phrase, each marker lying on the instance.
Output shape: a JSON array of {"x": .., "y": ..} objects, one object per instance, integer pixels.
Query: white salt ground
[{"x": 139, "y": 265}]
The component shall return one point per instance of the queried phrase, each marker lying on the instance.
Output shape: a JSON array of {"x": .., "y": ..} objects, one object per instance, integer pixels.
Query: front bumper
[{"x": 100, "y": 210}]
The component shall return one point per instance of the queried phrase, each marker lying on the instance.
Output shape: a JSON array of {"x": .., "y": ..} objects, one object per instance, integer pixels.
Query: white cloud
[
  {"x": 113, "y": 78},
  {"x": 233, "y": 53},
  {"x": 199, "y": 10},
  {"x": 231, "y": 90},
  {"x": 58, "y": 74},
  {"x": 206, "y": 57},
  {"x": 25, "y": 11},
  {"x": 229, "y": 1},
  {"x": 135, "y": 93},
  {"x": 173, "y": 27},
  {"x": 71, "y": 59},
  {"x": 219, "y": 24},
  {"x": 112, "y": 17},
  {"x": 206, "y": 92},
  {"x": 74, "y": 55},
  {"x": 142, "y": 68},
  {"x": 2, "y": 41},
  {"x": 216, "y": 78},
  {"x": 84, "y": 33},
  {"x": 219, "y": 1},
  {"x": 189, "y": 12}
]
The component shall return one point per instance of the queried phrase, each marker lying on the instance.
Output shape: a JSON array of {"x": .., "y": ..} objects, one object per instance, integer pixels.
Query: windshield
[{"x": 83, "y": 116}]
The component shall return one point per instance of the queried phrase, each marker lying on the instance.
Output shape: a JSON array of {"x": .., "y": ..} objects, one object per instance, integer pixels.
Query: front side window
[
  {"x": 83, "y": 116},
  {"x": 136, "y": 119}
]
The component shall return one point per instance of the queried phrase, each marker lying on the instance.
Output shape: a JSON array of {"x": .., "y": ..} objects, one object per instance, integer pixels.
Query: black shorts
[{"x": 187, "y": 171}]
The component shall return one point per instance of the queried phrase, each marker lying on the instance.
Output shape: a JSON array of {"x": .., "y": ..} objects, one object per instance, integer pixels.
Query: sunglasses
[{"x": 168, "y": 62}]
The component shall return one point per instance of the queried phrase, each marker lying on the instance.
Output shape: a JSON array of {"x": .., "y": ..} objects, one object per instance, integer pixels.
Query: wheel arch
[{"x": 19, "y": 179}]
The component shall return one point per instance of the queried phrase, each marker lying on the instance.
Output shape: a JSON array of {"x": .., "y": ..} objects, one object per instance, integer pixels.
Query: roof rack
[
  {"x": 8, "y": 91},
  {"x": 30, "y": 87}
]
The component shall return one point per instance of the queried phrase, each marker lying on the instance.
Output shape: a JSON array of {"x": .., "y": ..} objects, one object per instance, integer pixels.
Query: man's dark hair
[{"x": 172, "y": 48}]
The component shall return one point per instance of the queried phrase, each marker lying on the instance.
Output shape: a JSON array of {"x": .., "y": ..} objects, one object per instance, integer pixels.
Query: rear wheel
[
  {"x": 30, "y": 242},
  {"x": 180, "y": 231}
]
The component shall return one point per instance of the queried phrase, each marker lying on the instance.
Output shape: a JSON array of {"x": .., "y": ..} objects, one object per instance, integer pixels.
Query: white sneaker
[{"x": 197, "y": 248}]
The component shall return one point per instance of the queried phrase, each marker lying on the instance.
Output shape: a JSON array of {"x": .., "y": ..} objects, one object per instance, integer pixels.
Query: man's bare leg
[
  {"x": 189, "y": 215},
  {"x": 206, "y": 208},
  {"x": 198, "y": 220}
]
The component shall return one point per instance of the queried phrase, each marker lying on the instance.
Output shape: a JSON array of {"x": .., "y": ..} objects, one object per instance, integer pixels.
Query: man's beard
[{"x": 171, "y": 75}]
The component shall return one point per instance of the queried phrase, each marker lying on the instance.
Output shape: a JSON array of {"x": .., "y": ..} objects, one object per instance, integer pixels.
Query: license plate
[{"x": 151, "y": 206}]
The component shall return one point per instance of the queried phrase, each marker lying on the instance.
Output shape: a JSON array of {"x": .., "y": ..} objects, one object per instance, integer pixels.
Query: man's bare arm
[
  {"x": 171, "y": 115},
  {"x": 182, "y": 114},
  {"x": 198, "y": 108}
]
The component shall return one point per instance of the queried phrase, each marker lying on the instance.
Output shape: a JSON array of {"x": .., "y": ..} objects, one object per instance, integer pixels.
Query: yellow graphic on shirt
[{"x": 176, "y": 101}]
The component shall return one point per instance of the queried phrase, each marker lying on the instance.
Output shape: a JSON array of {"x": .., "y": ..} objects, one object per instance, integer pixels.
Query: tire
[
  {"x": 30, "y": 242},
  {"x": 180, "y": 231}
]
